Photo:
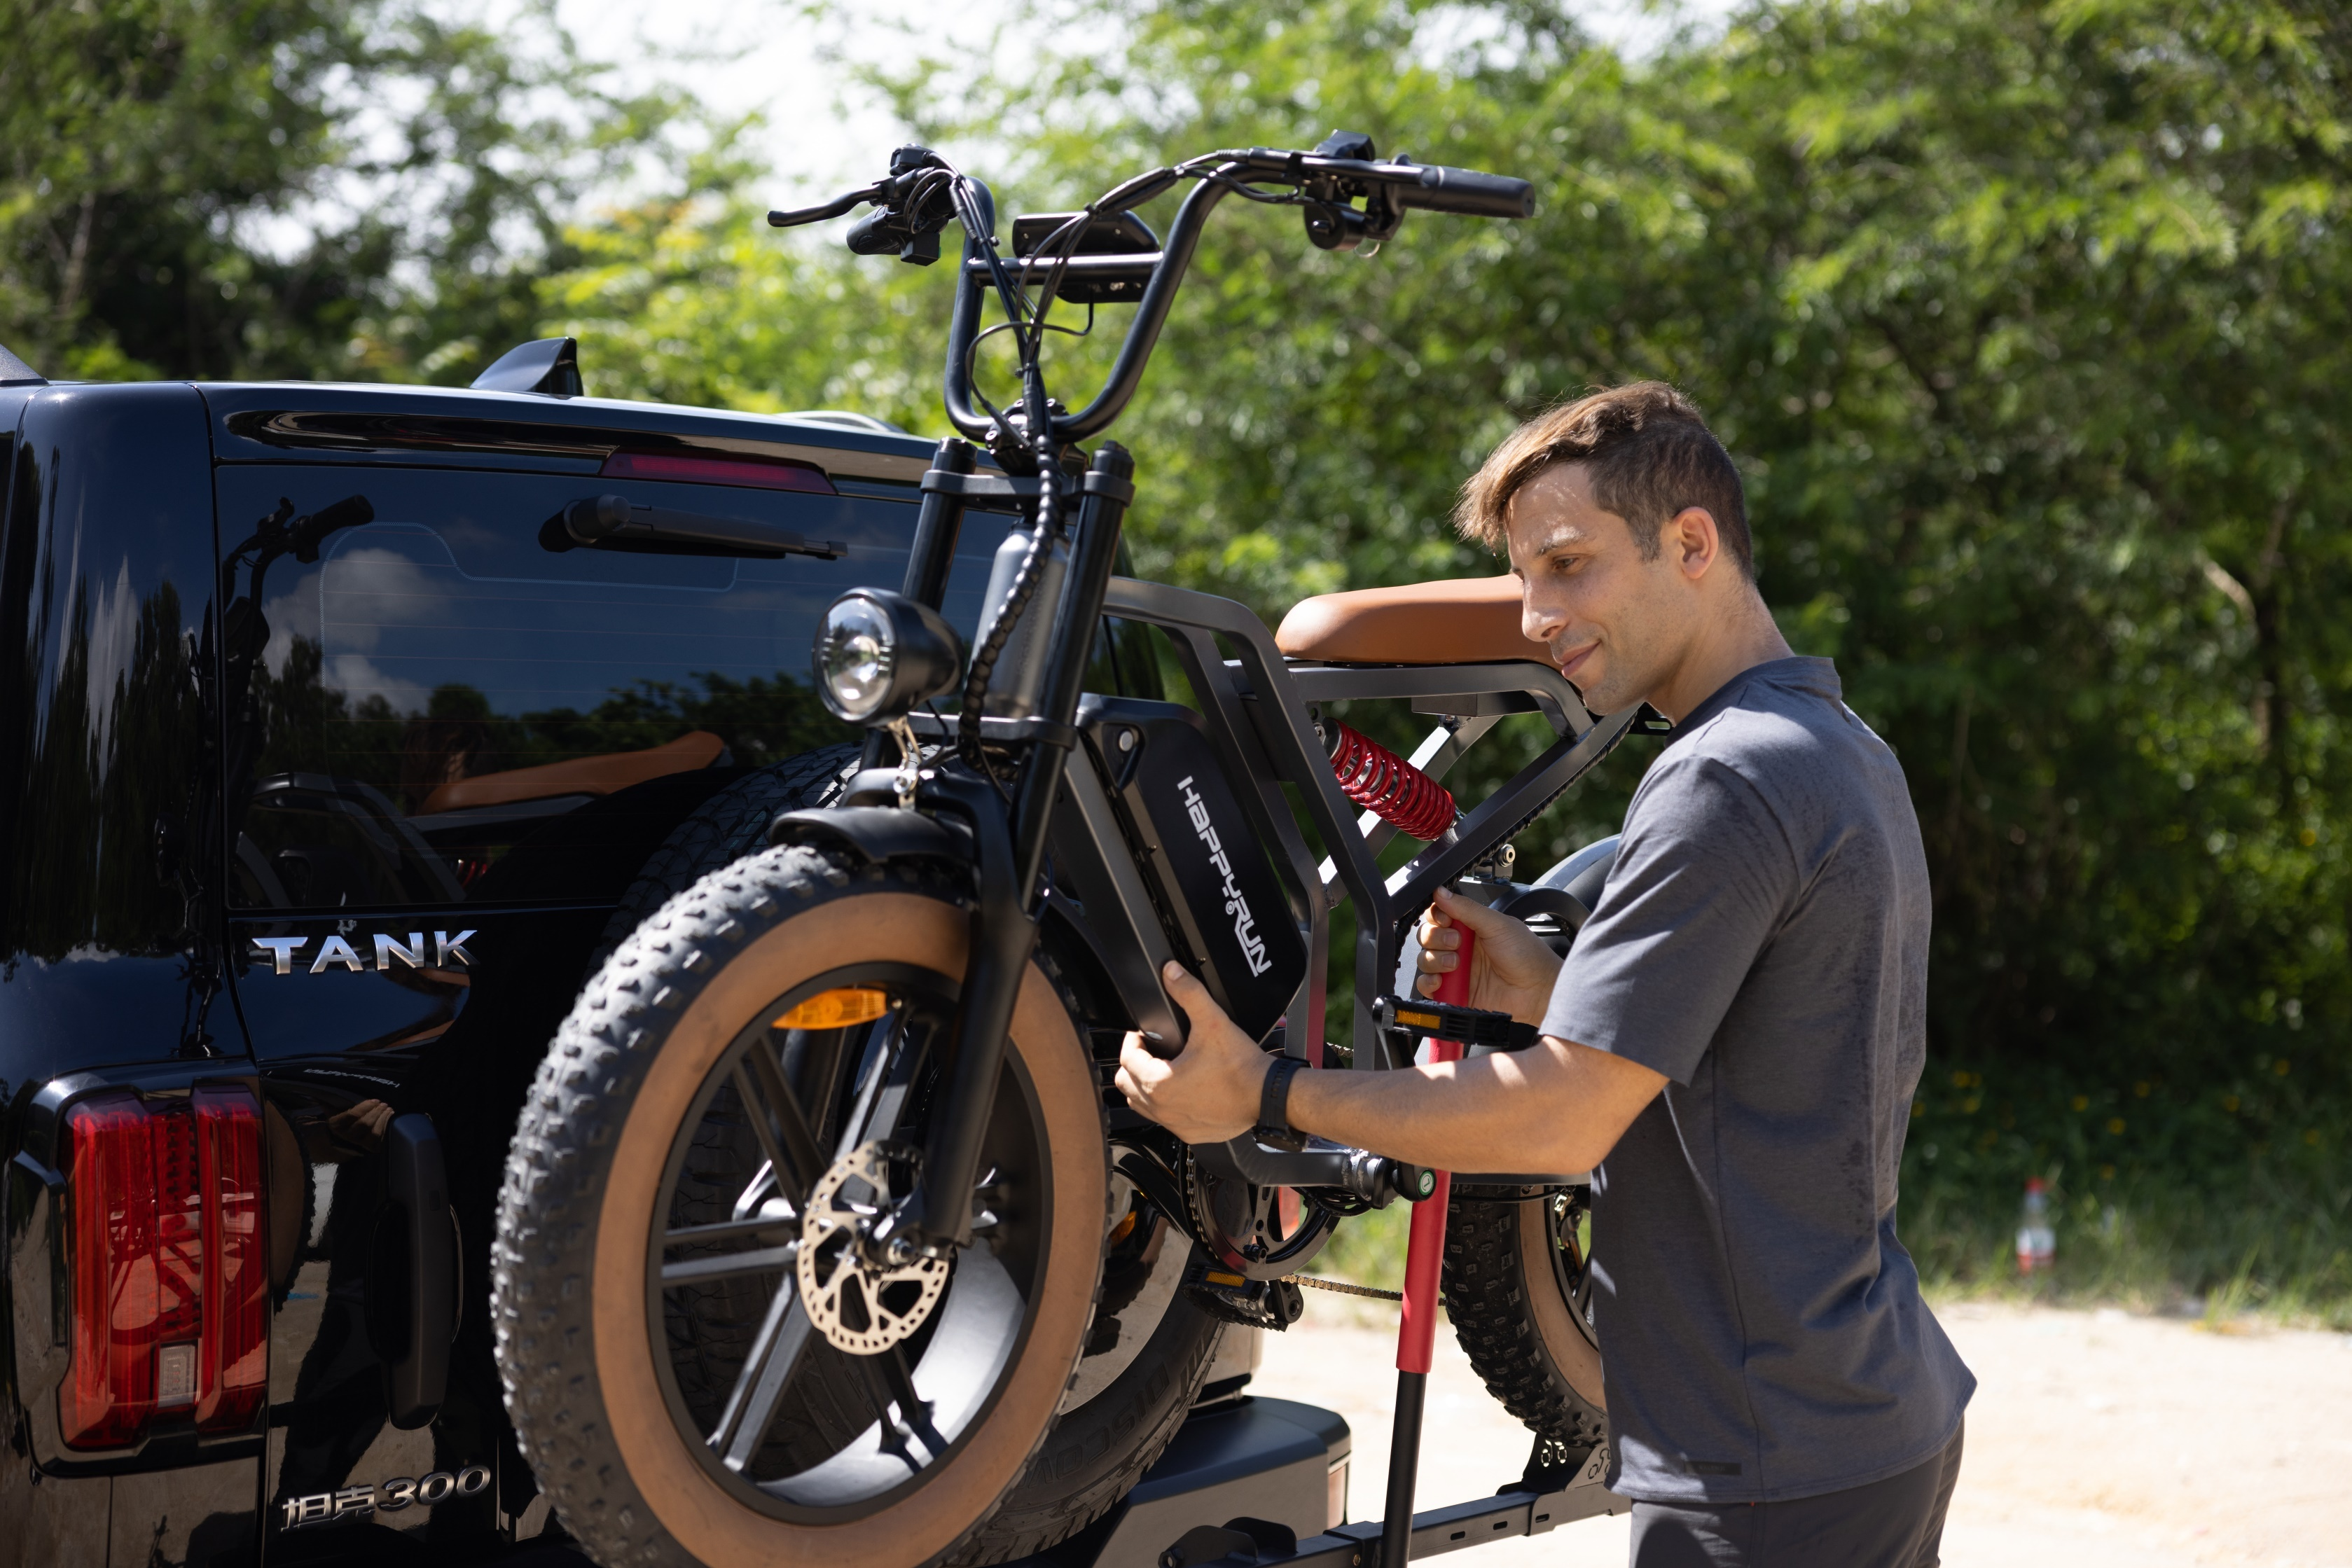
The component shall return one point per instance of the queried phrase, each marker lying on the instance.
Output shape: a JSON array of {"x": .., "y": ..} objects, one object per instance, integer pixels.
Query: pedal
[
  {"x": 1425, "y": 1019},
  {"x": 1253, "y": 1304}
]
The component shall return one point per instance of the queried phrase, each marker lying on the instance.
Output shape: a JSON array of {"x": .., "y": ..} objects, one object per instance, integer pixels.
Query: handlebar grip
[{"x": 1469, "y": 192}]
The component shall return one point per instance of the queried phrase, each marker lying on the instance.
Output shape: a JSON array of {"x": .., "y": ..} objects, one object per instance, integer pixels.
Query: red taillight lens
[
  {"x": 170, "y": 1305},
  {"x": 110, "y": 1390},
  {"x": 232, "y": 1355},
  {"x": 749, "y": 473}
]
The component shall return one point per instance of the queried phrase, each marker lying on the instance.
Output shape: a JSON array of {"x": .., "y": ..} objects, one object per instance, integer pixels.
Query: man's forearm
[{"x": 1550, "y": 1108}]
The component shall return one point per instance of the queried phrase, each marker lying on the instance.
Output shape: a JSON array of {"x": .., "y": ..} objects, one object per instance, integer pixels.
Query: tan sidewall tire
[
  {"x": 1570, "y": 1352},
  {"x": 700, "y": 1514}
]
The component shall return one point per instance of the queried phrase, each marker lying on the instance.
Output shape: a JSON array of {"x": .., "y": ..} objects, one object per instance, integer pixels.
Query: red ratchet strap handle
[
  {"x": 1417, "y": 1325},
  {"x": 1426, "y": 1247}
]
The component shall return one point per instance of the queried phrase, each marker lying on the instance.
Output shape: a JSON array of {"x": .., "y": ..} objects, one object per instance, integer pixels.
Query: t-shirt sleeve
[{"x": 1703, "y": 876}]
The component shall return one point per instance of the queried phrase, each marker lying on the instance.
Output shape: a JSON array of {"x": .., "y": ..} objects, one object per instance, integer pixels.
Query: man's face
[{"x": 1617, "y": 625}]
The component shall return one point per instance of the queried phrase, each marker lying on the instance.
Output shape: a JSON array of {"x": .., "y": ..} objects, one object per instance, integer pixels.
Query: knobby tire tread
[
  {"x": 1156, "y": 1409},
  {"x": 554, "y": 1184},
  {"x": 1486, "y": 1275},
  {"x": 724, "y": 829}
]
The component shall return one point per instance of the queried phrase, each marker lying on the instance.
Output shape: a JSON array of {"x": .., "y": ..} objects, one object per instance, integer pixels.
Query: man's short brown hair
[{"x": 1650, "y": 455}]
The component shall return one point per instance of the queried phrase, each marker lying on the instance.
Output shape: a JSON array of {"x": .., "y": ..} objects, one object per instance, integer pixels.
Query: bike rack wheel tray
[{"x": 1244, "y": 1486}]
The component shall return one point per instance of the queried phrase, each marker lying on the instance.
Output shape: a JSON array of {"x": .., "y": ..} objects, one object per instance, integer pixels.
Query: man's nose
[{"x": 1539, "y": 622}]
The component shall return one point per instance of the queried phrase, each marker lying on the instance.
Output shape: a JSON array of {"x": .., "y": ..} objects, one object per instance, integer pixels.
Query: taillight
[
  {"x": 167, "y": 1258},
  {"x": 233, "y": 1361}
]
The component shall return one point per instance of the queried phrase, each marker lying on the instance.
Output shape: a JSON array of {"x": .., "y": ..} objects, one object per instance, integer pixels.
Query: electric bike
[{"x": 824, "y": 1240}]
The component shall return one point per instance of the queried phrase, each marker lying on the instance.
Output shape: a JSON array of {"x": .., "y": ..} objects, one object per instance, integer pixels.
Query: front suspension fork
[{"x": 936, "y": 1217}]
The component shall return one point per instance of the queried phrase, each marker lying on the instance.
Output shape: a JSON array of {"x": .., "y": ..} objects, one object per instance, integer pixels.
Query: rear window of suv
[{"x": 447, "y": 682}]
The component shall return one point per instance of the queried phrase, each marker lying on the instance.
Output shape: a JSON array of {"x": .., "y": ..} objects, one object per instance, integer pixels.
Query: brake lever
[{"x": 876, "y": 192}]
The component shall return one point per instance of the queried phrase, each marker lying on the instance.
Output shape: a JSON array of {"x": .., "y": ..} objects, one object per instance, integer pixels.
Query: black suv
[{"x": 346, "y": 726}]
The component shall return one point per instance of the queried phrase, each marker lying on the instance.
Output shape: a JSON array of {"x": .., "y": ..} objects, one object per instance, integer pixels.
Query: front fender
[{"x": 876, "y": 834}]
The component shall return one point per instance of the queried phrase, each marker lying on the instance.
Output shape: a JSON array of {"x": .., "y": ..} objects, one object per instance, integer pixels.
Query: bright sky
[{"x": 823, "y": 134}]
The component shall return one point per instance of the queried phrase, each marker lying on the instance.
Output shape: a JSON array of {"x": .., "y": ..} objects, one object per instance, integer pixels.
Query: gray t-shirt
[{"x": 1762, "y": 942}]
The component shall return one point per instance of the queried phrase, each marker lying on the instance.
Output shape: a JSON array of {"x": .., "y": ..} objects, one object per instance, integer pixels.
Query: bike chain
[{"x": 1341, "y": 1287}]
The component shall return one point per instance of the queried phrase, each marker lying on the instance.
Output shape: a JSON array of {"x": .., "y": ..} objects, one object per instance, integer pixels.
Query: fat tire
[
  {"x": 1099, "y": 1451},
  {"x": 556, "y": 1185},
  {"x": 1492, "y": 1278},
  {"x": 722, "y": 831}
]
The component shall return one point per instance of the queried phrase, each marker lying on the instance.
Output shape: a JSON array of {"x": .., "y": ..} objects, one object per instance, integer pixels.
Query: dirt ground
[{"x": 2096, "y": 1439}]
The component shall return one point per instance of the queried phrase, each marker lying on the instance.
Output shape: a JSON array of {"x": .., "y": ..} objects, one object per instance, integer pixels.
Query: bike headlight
[{"x": 878, "y": 654}]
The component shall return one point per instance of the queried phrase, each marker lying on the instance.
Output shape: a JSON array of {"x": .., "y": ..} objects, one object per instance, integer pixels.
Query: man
[{"x": 1731, "y": 1045}]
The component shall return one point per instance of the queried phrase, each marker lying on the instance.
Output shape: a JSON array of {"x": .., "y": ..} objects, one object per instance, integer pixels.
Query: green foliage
[
  {"x": 2029, "y": 326},
  {"x": 254, "y": 188},
  {"x": 2028, "y": 323}
]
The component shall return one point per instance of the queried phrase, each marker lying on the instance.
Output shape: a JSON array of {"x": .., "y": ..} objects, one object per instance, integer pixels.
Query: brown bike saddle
[{"x": 1460, "y": 620}]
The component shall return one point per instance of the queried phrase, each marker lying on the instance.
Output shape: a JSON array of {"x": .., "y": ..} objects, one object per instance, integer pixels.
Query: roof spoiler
[
  {"x": 550, "y": 366},
  {"x": 16, "y": 373}
]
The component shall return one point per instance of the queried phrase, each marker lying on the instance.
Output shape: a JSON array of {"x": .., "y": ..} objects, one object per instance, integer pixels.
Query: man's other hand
[
  {"x": 1511, "y": 970},
  {"x": 1208, "y": 1093}
]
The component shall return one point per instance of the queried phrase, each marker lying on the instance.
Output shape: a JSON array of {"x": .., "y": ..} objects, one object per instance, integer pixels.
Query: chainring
[
  {"x": 1242, "y": 1225},
  {"x": 861, "y": 1308}
]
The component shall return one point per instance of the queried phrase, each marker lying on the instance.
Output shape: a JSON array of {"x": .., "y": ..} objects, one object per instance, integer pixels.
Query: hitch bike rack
[{"x": 1269, "y": 1468}]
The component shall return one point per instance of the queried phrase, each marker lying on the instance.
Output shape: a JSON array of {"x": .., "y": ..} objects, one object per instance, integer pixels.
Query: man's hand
[
  {"x": 1208, "y": 1093},
  {"x": 1511, "y": 970}
]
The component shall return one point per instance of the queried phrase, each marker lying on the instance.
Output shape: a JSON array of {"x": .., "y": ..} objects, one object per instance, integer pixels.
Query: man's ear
[{"x": 1691, "y": 538}]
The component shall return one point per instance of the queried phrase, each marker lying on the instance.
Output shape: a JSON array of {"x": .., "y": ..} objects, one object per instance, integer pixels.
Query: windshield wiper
[{"x": 610, "y": 522}]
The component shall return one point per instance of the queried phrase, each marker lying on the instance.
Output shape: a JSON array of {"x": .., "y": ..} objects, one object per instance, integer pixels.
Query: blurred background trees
[
  {"x": 308, "y": 188},
  {"x": 2029, "y": 324}
]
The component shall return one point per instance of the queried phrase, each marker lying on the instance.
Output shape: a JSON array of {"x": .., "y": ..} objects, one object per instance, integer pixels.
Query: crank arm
[{"x": 1375, "y": 1178}]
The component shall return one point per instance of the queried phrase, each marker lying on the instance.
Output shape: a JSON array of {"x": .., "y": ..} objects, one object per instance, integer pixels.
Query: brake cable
[{"x": 1023, "y": 312}]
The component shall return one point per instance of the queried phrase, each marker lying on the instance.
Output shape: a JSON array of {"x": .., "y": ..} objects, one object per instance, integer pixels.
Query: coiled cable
[{"x": 982, "y": 669}]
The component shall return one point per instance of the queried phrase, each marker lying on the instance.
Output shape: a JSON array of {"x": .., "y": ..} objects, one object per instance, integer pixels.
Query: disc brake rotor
[{"x": 861, "y": 1308}]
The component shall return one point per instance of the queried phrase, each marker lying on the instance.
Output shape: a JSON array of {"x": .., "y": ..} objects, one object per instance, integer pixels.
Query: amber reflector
[{"x": 837, "y": 1009}]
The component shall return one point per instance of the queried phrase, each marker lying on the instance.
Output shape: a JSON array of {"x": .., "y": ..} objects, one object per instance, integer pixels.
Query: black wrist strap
[{"x": 1273, "y": 1099}]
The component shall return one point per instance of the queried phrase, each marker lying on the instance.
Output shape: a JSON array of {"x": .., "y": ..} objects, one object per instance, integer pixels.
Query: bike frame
[{"x": 1255, "y": 704}]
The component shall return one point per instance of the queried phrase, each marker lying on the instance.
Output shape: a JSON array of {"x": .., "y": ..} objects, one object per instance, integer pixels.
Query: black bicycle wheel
[
  {"x": 695, "y": 1368},
  {"x": 1146, "y": 1354},
  {"x": 1518, "y": 1286}
]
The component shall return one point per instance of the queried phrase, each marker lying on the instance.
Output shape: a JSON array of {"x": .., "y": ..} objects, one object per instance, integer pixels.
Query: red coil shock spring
[{"x": 1386, "y": 784}]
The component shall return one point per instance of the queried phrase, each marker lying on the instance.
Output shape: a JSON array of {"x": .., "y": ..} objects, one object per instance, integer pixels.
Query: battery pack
[{"x": 1206, "y": 867}]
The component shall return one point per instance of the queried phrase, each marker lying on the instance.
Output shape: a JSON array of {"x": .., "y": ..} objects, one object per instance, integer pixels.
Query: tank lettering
[
  {"x": 386, "y": 950},
  {"x": 448, "y": 950},
  {"x": 1244, "y": 924}
]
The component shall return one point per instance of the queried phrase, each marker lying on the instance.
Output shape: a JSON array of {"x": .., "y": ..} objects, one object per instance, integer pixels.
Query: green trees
[
  {"x": 346, "y": 188},
  {"x": 2029, "y": 323}
]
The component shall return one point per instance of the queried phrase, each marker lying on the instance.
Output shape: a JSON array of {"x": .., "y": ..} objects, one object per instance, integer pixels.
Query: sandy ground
[{"x": 2096, "y": 1439}]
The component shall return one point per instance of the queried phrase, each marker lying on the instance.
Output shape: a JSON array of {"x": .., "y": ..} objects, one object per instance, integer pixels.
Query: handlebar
[
  {"x": 1325, "y": 184},
  {"x": 1430, "y": 187},
  {"x": 1441, "y": 189}
]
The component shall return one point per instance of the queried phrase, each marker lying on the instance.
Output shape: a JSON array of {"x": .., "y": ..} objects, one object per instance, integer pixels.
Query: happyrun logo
[{"x": 1245, "y": 925}]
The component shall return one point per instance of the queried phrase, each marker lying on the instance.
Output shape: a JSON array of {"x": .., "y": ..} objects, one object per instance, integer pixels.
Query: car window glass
[{"x": 445, "y": 681}]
